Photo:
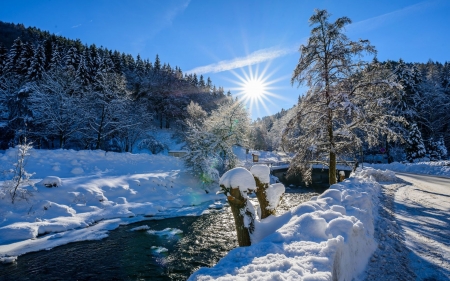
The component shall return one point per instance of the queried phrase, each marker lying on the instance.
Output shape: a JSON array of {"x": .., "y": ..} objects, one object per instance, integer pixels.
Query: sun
[{"x": 255, "y": 88}]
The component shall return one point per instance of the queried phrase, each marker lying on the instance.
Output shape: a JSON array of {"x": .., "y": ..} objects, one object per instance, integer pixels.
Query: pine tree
[
  {"x": 14, "y": 57},
  {"x": 56, "y": 60},
  {"x": 201, "y": 83},
  {"x": 157, "y": 64},
  {"x": 117, "y": 61},
  {"x": 37, "y": 67},
  {"x": 26, "y": 58},
  {"x": 48, "y": 51},
  {"x": 441, "y": 148},
  {"x": 415, "y": 149},
  {"x": 82, "y": 73},
  {"x": 194, "y": 81},
  {"x": 72, "y": 59},
  {"x": 3, "y": 58},
  {"x": 409, "y": 78},
  {"x": 140, "y": 68}
]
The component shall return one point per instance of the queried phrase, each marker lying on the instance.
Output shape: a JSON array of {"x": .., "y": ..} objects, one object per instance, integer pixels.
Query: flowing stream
[{"x": 139, "y": 255}]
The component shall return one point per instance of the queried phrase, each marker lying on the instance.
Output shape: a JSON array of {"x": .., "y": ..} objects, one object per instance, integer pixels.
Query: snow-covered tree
[
  {"x": 56, "y": 59},
  {"x": 3, "y": 58},
  {"x": 15, "y": 187},
  {"x": 230, "y": 124},
  {"x": 136, "y": 123},
  {"x": 72, "y": 59},
  {"x": 106, "y": 107},
  {"x": 14, "y": 95},
  {"x": 436, "y": 149},
  {"x": 441, "y": 149},
  {"x": 82, "y": 73},
  {"x": 210, "y": 142},
  {"x": 58, "y": 108},
  {"x": 37, "y": 66},
  {"x": 196, "y": 114},
  {"x": 345, "y": 103},
  {"x": 278, "y": 127},
  {"x": 26, "y": 59},
  {"x": 415, "y": 148},
  {"x": 14, "y": 57}
]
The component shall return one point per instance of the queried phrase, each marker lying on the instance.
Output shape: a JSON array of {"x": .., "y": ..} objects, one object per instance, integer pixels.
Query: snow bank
[
  {"x": 330, "y": 237},
  {"x": 379, "y": 175},
  {"x": 438, "y": 168},
  {"x": 96, "y": 192}
]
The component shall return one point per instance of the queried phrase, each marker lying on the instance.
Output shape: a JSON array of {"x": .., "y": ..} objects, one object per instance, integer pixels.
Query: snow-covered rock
[{"x": 51, "y": 181}]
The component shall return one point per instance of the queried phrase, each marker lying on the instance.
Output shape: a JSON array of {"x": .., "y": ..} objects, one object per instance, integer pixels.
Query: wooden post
[{"x": 341, "y": 176}]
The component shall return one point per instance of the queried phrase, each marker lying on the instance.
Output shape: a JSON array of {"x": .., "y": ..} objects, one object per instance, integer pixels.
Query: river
[{"x": 139, "y": 255}]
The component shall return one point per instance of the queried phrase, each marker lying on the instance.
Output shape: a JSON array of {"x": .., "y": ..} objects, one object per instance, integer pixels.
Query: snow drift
[{"x": 331, "y": 237}]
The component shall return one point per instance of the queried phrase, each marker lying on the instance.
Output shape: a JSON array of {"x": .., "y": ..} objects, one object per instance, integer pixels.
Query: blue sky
[{"x": 229, "y": 39}]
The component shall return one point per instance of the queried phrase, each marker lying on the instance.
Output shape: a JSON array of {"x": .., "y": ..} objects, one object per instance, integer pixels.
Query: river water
[{"x": 139, "y": 255}]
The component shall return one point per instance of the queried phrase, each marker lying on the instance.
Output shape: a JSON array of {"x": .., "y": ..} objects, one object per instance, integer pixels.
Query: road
[{"x": 422, "y": 208}]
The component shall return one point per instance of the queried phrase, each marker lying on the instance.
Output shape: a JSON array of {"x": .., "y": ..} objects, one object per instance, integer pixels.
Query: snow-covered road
[{"x": 422, "y": 208}]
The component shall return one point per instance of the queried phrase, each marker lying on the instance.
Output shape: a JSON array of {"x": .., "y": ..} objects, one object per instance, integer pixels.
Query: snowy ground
[
  {"x": 412, "y": 232},
  {"x": 98, "y": 192},
  {"x": 422, "y": 210},
  {"x": 406, "y": 234},
  {"x": 343, "y": 234}
]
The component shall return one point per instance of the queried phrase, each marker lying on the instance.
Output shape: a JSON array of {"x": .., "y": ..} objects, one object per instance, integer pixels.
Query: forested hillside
[{"x": 61, "y": 93}]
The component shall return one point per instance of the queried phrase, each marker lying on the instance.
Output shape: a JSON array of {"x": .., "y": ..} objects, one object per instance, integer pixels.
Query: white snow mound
[
  {"x": 262, "y": 172},
  {"x": 274, "y": 193},
  {"x": 51, "y": 181},
  {"x": 238, "y": 178}
]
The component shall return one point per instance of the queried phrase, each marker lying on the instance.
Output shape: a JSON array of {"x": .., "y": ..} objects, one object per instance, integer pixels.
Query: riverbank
[{"x": 81, "y": 195}]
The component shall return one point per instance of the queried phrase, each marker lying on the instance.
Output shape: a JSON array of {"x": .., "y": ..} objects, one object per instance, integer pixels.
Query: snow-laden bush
[{"x": 16, "y": 187}]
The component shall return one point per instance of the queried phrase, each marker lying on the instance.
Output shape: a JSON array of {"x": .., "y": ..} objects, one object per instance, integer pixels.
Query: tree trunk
[
  {"x": 237, "y": 204},
  {"x": 61, "y": 140},
  {"x": 100, "y": 129},
  {"x": 262, "y": 198},
  {"x": 332, "y": 171}
]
